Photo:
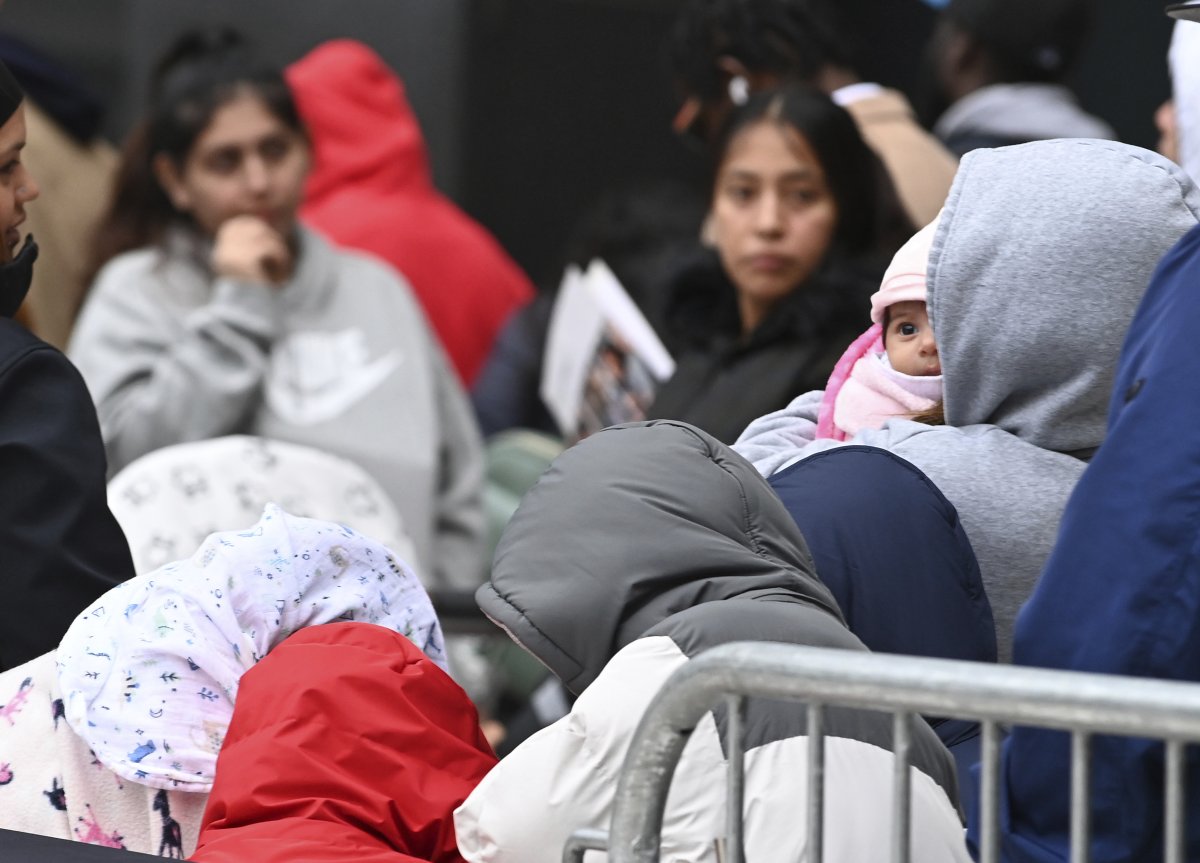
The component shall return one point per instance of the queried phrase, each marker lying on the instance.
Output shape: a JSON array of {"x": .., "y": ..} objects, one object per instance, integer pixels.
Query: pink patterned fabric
[
  {"x": 52, "y": 784},
  {"x": 870, "y": 342}
]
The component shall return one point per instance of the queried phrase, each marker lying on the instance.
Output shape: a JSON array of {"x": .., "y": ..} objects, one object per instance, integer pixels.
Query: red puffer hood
[
  {"x": 362, "y": 127},
  {"x": 347, "y": 743}
]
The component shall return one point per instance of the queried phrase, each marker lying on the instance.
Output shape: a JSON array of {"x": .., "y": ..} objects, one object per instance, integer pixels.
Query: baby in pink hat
[{"x": 893, "y": 369}]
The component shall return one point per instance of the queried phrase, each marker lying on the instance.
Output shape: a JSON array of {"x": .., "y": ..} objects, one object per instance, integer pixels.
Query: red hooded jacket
[
  {"x": 346, "y": 743},
  {"x": 370, "y": 189}
]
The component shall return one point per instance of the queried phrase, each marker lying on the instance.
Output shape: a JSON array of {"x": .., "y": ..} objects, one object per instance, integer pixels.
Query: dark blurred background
[{"x": 533, "y": 108}]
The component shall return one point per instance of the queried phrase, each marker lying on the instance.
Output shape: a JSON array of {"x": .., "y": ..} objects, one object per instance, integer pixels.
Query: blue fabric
[
  {"x": 1121, "y": 592},
  {"x": 891, "y": 549}
]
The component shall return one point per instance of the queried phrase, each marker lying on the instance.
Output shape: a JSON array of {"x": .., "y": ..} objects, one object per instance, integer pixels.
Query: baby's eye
[{"x": 908, "y": 329}]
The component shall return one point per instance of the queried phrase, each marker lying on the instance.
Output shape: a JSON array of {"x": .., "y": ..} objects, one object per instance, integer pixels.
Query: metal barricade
[{"x": 1079, "y": 703}]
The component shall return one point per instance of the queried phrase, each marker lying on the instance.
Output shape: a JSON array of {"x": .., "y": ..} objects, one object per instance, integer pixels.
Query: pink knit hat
[{"x": 905, "y": 276}]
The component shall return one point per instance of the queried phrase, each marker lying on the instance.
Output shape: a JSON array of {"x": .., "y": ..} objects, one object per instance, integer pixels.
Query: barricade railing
[{"x": 995, "y": 695}]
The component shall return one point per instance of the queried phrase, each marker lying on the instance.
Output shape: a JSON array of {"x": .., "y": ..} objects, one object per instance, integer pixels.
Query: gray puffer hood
[
  {"x": 631, "y": 526},
  {"x": 1040, "y": 260}
]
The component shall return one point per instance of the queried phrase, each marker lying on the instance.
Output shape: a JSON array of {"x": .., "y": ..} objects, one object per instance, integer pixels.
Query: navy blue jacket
[
  {"x": 891, "y": 549},
  {"x": 1121, "y": 592}
]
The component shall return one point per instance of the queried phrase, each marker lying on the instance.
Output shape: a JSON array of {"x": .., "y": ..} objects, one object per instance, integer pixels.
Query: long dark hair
[
  {"x": 871, "y": 223},
  {"x": 201, "y": 72}
]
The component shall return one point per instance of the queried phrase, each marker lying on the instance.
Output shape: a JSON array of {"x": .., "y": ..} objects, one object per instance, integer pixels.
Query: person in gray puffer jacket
[
  {"x": 1040, "y": 259},
  {"x": 641, "y": 547}
]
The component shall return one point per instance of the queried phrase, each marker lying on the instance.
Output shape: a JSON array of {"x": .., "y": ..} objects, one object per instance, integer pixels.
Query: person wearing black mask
[{"x": 60, "y": 546}]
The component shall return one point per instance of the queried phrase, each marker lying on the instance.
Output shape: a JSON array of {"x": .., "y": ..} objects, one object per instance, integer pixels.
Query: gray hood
[
  {"x": 633, "y": 525},
  {"x": 1041, "y": 248}
]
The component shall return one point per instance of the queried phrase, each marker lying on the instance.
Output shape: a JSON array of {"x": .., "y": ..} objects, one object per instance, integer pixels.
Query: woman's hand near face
[{"x": 249, "y": 249}]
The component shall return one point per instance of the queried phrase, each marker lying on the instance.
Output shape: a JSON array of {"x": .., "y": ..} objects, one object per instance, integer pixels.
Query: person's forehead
[
  {"x": 242, "y": 121},
  {"x": 906, "y": 308}
]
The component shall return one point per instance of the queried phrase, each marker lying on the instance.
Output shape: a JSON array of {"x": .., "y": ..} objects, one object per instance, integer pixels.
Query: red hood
[
  {"x": 362, "y": 128},
  {"x": 347, "y": 743}
]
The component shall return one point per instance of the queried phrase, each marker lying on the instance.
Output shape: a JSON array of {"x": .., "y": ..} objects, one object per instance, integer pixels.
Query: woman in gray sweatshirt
[{"x": 214, "y": 312}]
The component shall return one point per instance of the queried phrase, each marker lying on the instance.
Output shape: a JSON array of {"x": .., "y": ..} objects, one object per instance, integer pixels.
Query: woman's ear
[{"x": 171, "y": 180}]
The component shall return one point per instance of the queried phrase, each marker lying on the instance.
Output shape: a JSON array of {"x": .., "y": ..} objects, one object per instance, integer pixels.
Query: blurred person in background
[
  {"x": 214, "y": 312},
  {"x": 994, "y": 73},
  {"x": 75, "y": 167},
  {"x": 370, "y": 188},
  {"x": 803, "y": 221},
  {"x": 60, "y": 546},
  {"x": 1183, "y": 61},
  {"x": 1166, "y": 121},
  {"x": 723, "y": 50},
  {"x": 645, "y": 234}
]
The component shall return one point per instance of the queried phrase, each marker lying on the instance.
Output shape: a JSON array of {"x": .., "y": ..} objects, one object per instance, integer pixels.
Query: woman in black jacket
[
  {"x": 802, "y": 222},
  {"x": 60, "y": 547}
]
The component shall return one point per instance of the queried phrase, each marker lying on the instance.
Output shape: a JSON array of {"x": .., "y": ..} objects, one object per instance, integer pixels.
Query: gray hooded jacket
[{"x": 1040, "y": 260}]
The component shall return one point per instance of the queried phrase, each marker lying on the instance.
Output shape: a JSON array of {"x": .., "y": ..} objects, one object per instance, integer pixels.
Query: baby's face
[{"x": 909, "y": 340}]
